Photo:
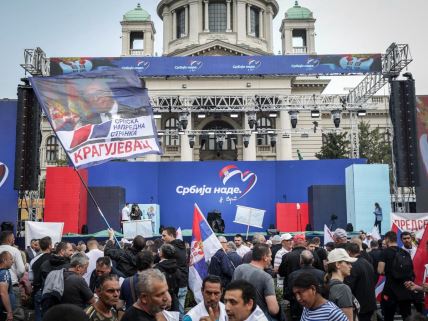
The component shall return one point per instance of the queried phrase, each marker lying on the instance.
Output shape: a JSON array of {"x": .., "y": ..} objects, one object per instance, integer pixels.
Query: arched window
[
  {"x": 173, "y": 125},
  {"x": 181, "y": 22},
  {"x": 52, "y": 149},
  {"x": 254, "y": 20},
  {"x": 265, "y": 124},
  {"x": 217, "y": 16}
]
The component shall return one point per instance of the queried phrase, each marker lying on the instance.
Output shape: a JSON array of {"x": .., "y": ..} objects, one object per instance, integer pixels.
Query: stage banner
[
  {"x": 349, "y": 64},
  {"x": 37, "y": 230},
  {"x": 422, "y": 134},
  {"x": 411, "y": 222},
  {"x": 99, "y": 116}
]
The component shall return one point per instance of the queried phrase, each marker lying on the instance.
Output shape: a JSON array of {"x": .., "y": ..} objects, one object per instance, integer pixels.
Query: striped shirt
[{"x": 326, "y": 312}]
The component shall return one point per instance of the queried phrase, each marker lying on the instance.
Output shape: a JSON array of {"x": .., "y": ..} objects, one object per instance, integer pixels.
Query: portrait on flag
[{"x": 99, "y": 116}]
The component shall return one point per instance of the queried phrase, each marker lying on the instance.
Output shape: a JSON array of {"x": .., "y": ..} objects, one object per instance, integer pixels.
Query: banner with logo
[
  {"x": 99, "y": 116},
  {"x": 411, "y": 222},
  {"x": 350, "y": 64}
]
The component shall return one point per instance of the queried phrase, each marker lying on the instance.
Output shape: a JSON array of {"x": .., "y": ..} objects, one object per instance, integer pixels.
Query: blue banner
[
  {"x": 220, "y": 186},
  {"x": 99, "y": 116},
  {"x": 8, "y": 196},
  {"x": 349, "y": 64}
]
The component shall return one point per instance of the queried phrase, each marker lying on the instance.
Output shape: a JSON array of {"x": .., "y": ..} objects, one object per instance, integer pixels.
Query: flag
[
  {"x": 328, "y": 236},
  {"x": 375, "y": 233},
  {"x": 99, "y": 116},
  {"x": 379, "y": 287},
  {"x": 421, "y": 259},
  {"x": 204, "y": 245},
  {"x": 397, "y": 230},
  {"x": 179, "y": 234}
]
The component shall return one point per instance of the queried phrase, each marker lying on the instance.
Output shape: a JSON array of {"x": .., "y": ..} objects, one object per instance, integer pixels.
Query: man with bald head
[{"x": 221, "y": 265}]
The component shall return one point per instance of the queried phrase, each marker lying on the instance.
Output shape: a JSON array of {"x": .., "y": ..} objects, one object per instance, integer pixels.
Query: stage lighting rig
[
  {"x": 191, "y": 140},
  {"x": 315, "y": 126},
  {"x": 252, "y": 119},
  {"x": 220, "y": 140},
  {"x": 246, "y": 140},
  {"x": 335, "y": 114},
  {"x": 272, "y": 140},
  {"x": 183, "y": 119},
  {"x": 293, "y": 117}
]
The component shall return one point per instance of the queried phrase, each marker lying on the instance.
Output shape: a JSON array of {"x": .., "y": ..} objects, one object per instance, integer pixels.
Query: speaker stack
[
  {"x": 402, "y": 108},
  {"x": 28, "y": 139}
]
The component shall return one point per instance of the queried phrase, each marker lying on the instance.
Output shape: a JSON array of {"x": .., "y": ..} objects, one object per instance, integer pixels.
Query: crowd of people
[{"x": 287, "y": 277}]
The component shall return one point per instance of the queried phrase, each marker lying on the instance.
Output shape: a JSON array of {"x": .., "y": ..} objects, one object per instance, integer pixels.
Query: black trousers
[
  {"x": 379, "y": 225},
  {"x": 389, "y": 308},
  {"x": 365, "y": 316}
]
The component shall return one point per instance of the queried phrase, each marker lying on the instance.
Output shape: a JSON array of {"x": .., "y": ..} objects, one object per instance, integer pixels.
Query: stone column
[
  {"x": 228, "y": 16},
  {"x": 249, "y": 153},
  {"x": 206, "y": 24},
  {"x": 261, "y": 13},
  {"x": 185, "y": 150},
  {"x": 174, "y": 25},
  {"x": 269, "y": 35},
  {"x": 240, "y": 22},
  {"x": 125, "y": 43},
  {"x": 248, "y": 19},
  {"x": 166, "y": 30},
  {"x": 186, "y": 20},
  {"x": 284, "y": 146},
  {"x": 147, "y": 37},
  {"x": 195, "y": 23}
]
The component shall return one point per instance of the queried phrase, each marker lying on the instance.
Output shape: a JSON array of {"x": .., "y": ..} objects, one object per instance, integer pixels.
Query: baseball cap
[
  {"x": 299, "y": 237},
  {"x": 286, "y": 237},
  {"x": 340, "y": 233},
  {"x": 338, "y": 255},
  {"x": 276, "y": 239}
]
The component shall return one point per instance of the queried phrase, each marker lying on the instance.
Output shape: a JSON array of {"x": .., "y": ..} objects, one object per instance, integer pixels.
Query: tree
[
  {"x": 374, "y": 144},
  {"x": 335, "y": 145}
]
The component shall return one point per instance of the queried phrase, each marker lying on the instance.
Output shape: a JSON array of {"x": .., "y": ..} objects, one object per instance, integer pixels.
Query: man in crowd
[
  {"x": 211, "y": 305},
  {"x": 375, "y": 253},
  {"x": 6, "y": 294},
  {"x": 76, "y": 290},
  {"x": 17, "y": 269},
  {"x": 104, "y": 309},
  {"x": 129, "y": 289},
  {"x": 126, "y": 214},
  {"x": 94, "y": 253},
  {"x": 362, "y": 283},
  {"x": 408, "y": 245},
  {"x": 169, "y": 236},
  {"x": 340, "y": 237},
  {"x": 257, "y": 239},
  {"x": 35, "y": 265},
  {"x": 103, "y": 266},
  {"x": 241, "y": 248},
  {"x": 153, "y": 299},
  {"x": 125, "y": 258},
  {"x": 262, "y": 281},
  {"x": 287, "y": 246},
  {"x": 32, "y": 250},
  {"x": 232, "y": 254},
  {"x": 221, "y": 265},
  {"x": 60, "y": 259},
  {"x": 276, "y": 245},
  {"x": 240, "y": 302},
  {"x": 306, "y": 263},
  {"x": 397, "y": 266}
]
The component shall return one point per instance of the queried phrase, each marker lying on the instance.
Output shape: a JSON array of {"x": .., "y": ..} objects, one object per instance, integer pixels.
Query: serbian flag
[
  {"x": 204, "y": 245},
  {"x": 379, "y": 287},
  {"x": 328, "y": 235},
  {"x": 420, "y": 261},
  {"x": 397, "y": 230}
]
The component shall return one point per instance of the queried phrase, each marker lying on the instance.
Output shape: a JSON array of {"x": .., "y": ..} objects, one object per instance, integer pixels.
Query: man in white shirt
[
  {"x": 126, "y": 211},
  {"x": 287, "y": 246},
  {"x": 93, "y": 255},
  {"x": 210, "y": 307},
  {"x": 241, "y": 248},
  {"x": 240, "y": 302}
]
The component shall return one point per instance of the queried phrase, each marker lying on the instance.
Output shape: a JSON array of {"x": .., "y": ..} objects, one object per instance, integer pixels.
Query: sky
[{"x": 91, "y": 28}]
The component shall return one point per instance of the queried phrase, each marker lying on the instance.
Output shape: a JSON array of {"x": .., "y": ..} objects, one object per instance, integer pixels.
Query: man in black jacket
[
  {"x": 124, "y": 258},
  {"x": 60, "y": 259},
  {"x": 169, "y": 235}
]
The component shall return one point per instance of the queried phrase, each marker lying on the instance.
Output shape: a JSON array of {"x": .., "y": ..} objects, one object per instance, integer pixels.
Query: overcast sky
[{"x": 91, "y": 28}]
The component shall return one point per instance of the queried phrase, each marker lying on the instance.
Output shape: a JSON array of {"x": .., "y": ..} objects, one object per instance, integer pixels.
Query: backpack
[{"x": 402, "y": 265}]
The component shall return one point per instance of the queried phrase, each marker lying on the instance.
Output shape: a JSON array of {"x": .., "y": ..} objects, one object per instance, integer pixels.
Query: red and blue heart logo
[
  {"x": 4, "y": 171},
  {"x": 248, "y": 177}
]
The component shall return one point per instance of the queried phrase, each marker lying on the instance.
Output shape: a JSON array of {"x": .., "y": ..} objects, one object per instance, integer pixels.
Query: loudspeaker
[
  {"x": 28, "y": 138},
  {"x": 402, "y": 108},
  {"x": 6, "y": 226},
  {"x": 216, "y": 222}
]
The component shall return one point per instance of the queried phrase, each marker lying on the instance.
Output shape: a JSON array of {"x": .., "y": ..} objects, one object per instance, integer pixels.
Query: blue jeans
[
  {"x": 182, "y": 292},
  {"x": 38, "y": 306}
]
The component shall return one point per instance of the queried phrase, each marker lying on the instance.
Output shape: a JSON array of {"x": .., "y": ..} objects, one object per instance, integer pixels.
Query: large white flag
[{"x": 328, "y": 235}]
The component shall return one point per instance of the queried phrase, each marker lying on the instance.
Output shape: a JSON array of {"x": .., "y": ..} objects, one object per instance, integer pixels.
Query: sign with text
[{"x": 411, "y": 222}]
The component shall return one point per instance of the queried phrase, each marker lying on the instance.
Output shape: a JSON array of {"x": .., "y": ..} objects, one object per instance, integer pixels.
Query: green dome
[
  {"x": 138, "y": 14},
  {"x": 298, "y": 13}
]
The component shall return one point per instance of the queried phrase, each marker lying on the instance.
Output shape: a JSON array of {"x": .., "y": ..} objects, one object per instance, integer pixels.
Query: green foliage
[
  {"x": 335, "y": 145},
  {"x": 374, "y": 144}
]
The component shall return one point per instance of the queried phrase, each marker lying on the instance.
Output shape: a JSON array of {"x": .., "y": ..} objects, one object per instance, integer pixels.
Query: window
[
  {"x": 52, "y": 149},
  {"x": 254, "y": 20},
  {"x": 217, "y": 16},
  {"x": 173, "y": 125},
  {"x": 266, "y": 124},
  {"x": 181, "y": 23}
]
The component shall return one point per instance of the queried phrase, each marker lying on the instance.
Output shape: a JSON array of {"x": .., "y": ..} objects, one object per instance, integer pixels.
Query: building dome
[
  {"x": 138, "y": 14},
  {"x": 298, "y": 13}
]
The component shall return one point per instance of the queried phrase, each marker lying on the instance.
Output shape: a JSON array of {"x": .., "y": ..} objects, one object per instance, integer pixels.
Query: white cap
[
  {"x": 338, "y": 255},
  {"x": 286, "y": 237}
]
